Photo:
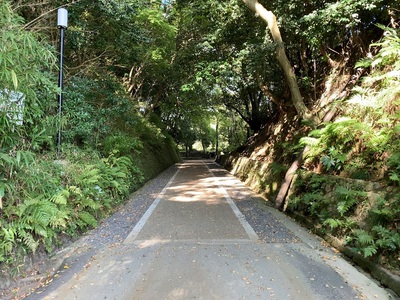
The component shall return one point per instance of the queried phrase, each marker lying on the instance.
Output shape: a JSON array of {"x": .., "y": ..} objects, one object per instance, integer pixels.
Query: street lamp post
[{"x": 62, "y": 23}]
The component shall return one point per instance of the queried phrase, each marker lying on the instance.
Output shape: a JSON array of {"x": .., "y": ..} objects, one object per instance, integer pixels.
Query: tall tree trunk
[{"x": 269, "y": 18}]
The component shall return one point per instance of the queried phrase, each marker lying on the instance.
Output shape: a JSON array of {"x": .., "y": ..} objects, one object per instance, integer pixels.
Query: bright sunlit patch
[
  {"x": 178, "y": 187},
  {"x": 185, "y": 199},
  {"x": 153, "y": 242},
  {"x": 360, "y": 100}
]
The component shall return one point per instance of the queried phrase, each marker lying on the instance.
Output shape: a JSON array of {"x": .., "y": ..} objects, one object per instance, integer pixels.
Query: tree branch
[{"x": 270, "y": 19}]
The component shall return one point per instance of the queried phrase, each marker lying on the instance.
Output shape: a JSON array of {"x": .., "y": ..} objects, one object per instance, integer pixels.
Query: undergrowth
[
  {"x": 363, "y": 143},
  {"x": 45, "y": 199}
]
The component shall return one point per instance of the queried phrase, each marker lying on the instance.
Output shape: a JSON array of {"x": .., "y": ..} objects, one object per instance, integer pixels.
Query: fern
[
  {"x": 386, "y": 212},
  {"x": 87, "y": 218},
  {"x": 90, "y": 203},
  {"x": 7, "y": 241},
  {"x": 89, "y": 176},
  {"x": 369, "y": 250},
  {"x": 27, "y": 238},
  {"x": 364, "y": 242},
  {"x": 363, "y": 237},
  {"x": 344, "y": 206},
  {"x": 317, "y": 182},
  {"x": 61, "y": 197},
  {"x": 393, "y": 176},
  {"x": 60, "y": 219},
  {"x": 348, "y": 199},
  {"x": 387, "y": 239},
  {"x": 334, "y": 223}
]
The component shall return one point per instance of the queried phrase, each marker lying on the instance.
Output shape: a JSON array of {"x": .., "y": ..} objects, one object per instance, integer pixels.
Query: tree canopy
[{"x": 179, "y": 58}]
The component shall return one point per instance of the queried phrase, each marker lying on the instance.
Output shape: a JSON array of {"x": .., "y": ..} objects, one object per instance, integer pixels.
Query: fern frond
[
  {"x": 364, "y": 63},
  {"x": 61, "y": 198},
  {"x": 369, "y": 250},
  {"x": 87, "y": 218},
  {"x": 363, "y": 237},
  {"x": 28, "y": 240},
  {"x": 344, "y": 206},
  {"x": 7, "y": 241},
  {"x": 88, "y": 202},
  {"x": 60, "y": 220},
  {"x": 333, "y": 223}
]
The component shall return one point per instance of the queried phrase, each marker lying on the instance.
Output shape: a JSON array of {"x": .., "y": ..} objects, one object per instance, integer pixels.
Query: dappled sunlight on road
[
  {"x": 192, "y": 197},
  {"x": 187, "y": 194},
  {"x": 178, "y": 187}
]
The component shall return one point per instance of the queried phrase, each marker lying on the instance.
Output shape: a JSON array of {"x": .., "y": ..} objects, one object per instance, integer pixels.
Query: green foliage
[
  {"x": 339, "y": 223},
  {"x": 122, "y": 144},
  {"x": 333, "y": 141},
  {"x": 334, "y": 159},
  {"x": 379, "y": 239},
  {"x": 364, "y": 242},
  {"x": 326, "y": 19},
  {"x": 386, "y": 212},
  {"x": 29, "y": 216},
  {"x": 312, "y": 201},
  {"x": 394, "y": 164},
  {"x": 44, "y": 199},
  {"x": 25, "y": 65},
  {"x": 387, "y": 240},
  {"x": 376, "y": 101},
  {"x": 103, "y": 133},
  {"x": 365, "y": 139},
  {"x": 348, "y": 198},
  {"x": 333, "y": 209}
]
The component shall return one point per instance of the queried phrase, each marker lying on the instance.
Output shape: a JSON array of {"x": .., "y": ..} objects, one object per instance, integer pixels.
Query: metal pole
[
  {"x": 62, "y": 23},
  {"x": 60, "y": 95}
]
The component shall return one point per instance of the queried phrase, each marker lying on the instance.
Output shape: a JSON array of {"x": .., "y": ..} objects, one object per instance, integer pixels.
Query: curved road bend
[{"x": 194, "y": 243}]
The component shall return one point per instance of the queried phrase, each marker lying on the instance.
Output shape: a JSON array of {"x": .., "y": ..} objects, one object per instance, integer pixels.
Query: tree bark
[
  {"x": 270, "y": 19},
  {"x": 280, "y": 198}
]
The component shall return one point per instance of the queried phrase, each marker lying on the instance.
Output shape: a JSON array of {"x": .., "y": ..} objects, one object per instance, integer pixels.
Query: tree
[
  {"x": 150, "y": 74},
  {"x": 220, "y": 56},
  {"x": 269, "y": 18}
]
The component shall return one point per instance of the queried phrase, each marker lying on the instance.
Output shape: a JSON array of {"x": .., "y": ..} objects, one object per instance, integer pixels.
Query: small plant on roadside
[
  {"x": 312, "y": 199},
  {"x": 364, "y": 242},
  {"x": 348, "y": 198},
  {"x": 340, "y": 226},
  {"x": 378, "y": 239},
  {"x": 333, "y": 160}
]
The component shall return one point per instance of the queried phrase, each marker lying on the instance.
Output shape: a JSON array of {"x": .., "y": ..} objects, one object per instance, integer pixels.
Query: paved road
[{"x": 194, "y": 243}]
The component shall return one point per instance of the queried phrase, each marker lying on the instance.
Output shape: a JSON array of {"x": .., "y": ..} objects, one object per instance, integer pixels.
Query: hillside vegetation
[
  {"x": 108, "y": 148},
  {"x": 347, "y": 183}
]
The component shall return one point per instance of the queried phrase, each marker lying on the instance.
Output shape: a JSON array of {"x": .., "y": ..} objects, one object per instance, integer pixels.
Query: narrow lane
[{"x": 194, "y": 243}]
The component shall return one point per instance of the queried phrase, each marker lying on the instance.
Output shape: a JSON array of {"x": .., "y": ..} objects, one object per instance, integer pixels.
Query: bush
[
  {"x": 122, "y": 144},
  {"x": 43, "y": 200}
]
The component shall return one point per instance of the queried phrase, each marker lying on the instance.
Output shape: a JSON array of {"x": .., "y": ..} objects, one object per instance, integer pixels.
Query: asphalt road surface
[{"x": 195, "y": 243}]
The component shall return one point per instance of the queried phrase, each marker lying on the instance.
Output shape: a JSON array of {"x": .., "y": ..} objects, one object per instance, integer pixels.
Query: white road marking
[
  {"x": 134, "y": 233},
  {"x": 247, "y": 227}
]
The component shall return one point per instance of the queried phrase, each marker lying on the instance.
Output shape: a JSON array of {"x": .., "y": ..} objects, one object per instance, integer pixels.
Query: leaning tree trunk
[
  {"x": 283, "y": 191},
  {"x": 269, "y": 18}
]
